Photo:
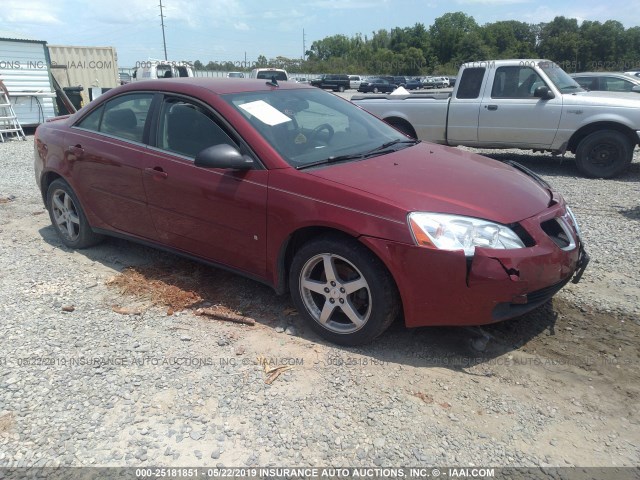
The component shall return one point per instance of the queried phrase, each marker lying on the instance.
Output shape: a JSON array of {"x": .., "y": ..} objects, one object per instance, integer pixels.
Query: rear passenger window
[
  {"x": 470, "y": 83},
  {"x": 122, "y": 117},
  {"x": 125, "y": 116},
  {"x": 92, "y": 121},
  {"x": 187, "y": 128}
]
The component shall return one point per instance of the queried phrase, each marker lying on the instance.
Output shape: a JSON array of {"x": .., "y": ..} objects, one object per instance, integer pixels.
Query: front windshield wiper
[
  {"x": 393, "y": 142},
  {"x": 359, "y": 156}
]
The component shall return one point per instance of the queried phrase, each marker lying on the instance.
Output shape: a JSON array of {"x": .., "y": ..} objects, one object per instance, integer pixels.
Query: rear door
[
  {"x": 212, "y": 213},
  {"x": 464, "y": 107},
  {"x": 511, "y": 116},
  {"x": 105, "y": 150}
]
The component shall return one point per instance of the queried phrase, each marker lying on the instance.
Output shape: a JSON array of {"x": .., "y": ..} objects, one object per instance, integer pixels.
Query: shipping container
[
  {"x": 89, "y": 67},
  {"x": 24, "y": 70}
]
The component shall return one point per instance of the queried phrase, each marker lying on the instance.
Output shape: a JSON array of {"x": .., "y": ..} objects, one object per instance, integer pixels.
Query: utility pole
[
  {"x": 164, "y": 41},
  {"x": 304, "y": 48}
]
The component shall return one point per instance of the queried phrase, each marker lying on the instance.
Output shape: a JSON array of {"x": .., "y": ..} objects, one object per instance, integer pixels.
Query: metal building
[{"x": 24, "y": 69}]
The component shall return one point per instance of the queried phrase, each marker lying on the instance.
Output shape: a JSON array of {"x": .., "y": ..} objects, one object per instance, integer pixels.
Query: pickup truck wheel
[
  {"x": 604, "y": 154},
  {"x": 342, "y": 289},
  {"x": 341, "y": 88}
]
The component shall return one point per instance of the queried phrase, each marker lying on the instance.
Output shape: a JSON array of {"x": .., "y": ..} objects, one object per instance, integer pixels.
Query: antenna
[{"x": 164, "y": 41}]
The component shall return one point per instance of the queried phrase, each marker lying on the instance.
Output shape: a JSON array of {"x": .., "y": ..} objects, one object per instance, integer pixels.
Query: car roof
[
  {"x": 219, "y": 86},
  {"x": 601, "y": 74},
  {"x": 620, "y": 75}
]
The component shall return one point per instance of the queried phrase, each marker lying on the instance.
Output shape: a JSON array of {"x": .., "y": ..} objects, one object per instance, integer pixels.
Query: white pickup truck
[{"x": 528, "y": 104}]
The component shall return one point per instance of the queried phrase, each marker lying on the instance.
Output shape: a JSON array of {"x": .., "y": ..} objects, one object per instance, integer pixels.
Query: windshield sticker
[{"x": 265, "y": 112}]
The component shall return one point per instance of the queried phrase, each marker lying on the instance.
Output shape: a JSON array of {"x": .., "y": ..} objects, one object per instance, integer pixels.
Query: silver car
[{"x": 607, "y": 81}]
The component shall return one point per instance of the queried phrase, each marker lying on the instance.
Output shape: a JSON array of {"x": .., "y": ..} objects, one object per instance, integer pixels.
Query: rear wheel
[
  {"x": 375, "y": 90},
  {"x": 68, "y": 217},
  {"x": 341, "y": 88},
  {"x": 345, "y": 293},
  {"x": 604, "y": 154}
]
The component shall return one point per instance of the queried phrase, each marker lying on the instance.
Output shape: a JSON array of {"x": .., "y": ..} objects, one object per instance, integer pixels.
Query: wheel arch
[
  {"x": 302, "y": 236},
  {"x": 47, "y": 179},
  {"x": 587, "y": 130},
  {"x": 402, "y": 124}
]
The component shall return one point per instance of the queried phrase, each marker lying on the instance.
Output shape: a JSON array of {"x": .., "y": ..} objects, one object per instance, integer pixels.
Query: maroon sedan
[{"x": 306, "y": 192}]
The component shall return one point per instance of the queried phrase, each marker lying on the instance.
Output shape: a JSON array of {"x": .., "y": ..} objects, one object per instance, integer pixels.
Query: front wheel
[
  {"x": 375, "y": 90},
  {"x": 341, "y": 88},
  {"x": 604, "y": 154},
  {"x": 345, "y": 293},
  {"x": 68, "y": 217}
]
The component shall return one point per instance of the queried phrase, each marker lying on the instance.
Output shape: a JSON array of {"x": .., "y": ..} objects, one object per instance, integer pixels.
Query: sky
[{"x": 232, "y": 30}]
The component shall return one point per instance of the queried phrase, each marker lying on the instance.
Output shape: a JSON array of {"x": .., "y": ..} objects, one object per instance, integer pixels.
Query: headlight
[{"x": 455, "y": 232}]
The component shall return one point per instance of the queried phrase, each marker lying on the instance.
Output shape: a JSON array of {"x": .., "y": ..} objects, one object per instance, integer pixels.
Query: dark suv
[{"x": 337, "y": 83}]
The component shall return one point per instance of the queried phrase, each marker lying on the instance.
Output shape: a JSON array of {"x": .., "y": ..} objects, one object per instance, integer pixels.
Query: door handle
[
  {"x": 77, "y": 150},
  {"x": 156, "y": 172},
  {"x": 491, "y": 107}
]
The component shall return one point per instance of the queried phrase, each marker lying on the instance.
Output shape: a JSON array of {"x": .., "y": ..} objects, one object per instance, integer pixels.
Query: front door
[
  {"x": 216, "y": 214},
  {"x": 511, "y": 116}
]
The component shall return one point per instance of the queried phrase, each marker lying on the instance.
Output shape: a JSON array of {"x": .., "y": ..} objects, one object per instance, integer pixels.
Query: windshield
[
  {"x": 560, "y": 78},
  {"x": 308, "y": 126}
]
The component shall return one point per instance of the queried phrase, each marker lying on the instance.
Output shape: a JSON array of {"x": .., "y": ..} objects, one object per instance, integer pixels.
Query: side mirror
[
  {"x": 223, "y": 156},
  {"x": 635, "y": 88},
  {"x": 543, "y": 92}
]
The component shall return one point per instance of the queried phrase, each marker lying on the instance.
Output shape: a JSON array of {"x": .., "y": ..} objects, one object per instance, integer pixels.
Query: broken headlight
[{"x": 455, "y": 232}]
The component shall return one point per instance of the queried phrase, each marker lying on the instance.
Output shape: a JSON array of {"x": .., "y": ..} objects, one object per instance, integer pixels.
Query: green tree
[
  {"x": 509, "y": 39},
  {"x": 559, "y": 40},
  {"x": 448, "y": 31}
]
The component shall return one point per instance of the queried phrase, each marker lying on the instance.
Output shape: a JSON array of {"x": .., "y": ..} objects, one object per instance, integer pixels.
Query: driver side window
[
  {"x": 187, "y": 128},
  {"x": 515, "y": 82}
]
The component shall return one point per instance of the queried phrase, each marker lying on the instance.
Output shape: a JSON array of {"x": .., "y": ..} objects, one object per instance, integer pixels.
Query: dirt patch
[
  {"x": 605, "y": 343},
  {"x": 6, "y": 423},
  {"x": 185, "y": 285}
]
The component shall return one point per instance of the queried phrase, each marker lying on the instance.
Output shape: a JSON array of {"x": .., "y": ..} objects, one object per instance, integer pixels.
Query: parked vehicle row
[{"x": 382, "y": 83}]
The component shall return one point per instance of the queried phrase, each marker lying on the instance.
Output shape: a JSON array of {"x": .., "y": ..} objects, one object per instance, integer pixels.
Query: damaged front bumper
[{"x": 440, "y": 287}]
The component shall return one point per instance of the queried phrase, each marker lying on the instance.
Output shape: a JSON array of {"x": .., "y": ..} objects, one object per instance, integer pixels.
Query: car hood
[{"x": 434, "y": 178}]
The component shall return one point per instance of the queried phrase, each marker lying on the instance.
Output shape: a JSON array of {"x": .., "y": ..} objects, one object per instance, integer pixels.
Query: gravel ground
[{"x": 81, "y": 384}]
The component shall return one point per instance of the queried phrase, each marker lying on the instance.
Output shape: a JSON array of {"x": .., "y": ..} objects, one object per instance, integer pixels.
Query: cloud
[
  {"x": 241, "y": 26},
  {"x": 17, "y": 12}
]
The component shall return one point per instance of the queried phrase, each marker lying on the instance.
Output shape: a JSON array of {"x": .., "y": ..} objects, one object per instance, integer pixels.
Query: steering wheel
[{"x": 313, "y": 136}]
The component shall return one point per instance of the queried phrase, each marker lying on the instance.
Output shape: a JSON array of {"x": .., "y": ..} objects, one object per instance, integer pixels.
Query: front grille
[{"x": 559, "y": 232}]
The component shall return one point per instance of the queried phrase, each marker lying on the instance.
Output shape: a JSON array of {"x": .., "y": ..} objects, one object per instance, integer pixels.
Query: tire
[
  {"x": 604, "y": 154},
  {"x": 68, "y": 218},
  {"x": 331, "y": 308},
  {"x": 375, "y": 90},
  {"x": 341, "y": 88}
]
